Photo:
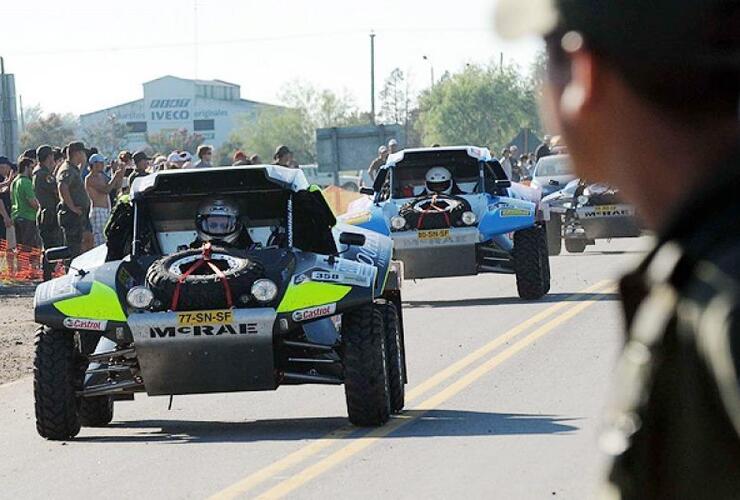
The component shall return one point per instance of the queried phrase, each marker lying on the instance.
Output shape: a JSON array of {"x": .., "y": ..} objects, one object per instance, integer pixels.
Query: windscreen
[
  {"x": 409, "y": 175},
  {"x": 551, "y": 166}
]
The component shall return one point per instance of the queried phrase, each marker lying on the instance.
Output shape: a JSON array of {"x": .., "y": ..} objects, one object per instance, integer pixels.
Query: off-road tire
[
  {"x": 96, "y": 411},
  {"x": 575, "y": 246},
  {"x": 201, "y": 291},
  {"x": 394, "y": 356},
  {"x": 531, "y": 263},
  {"x": 554, "y": 228},
  {"x": 55, "y": 375},
  {"x": 366, "y": 384}
]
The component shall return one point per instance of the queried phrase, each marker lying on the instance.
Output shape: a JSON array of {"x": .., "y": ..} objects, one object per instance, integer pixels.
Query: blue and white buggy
[{"x": 453, "y": 212}]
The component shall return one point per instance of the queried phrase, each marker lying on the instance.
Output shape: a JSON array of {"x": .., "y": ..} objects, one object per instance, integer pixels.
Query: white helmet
[
  {"x": 218, "y": 220},
  {"x": 439, "y": 180}
]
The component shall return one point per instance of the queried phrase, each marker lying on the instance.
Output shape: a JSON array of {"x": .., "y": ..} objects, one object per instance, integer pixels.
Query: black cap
[
  {"x": 43, "y": 152},
  {"x": 698, "y": 33},
  {"x": 140, "y": 156},
  {"x": 29, "y": 153},
  {"x": 4, "y": 160},
  {"x": 75, "y": 146},
  {"x": 281, "y": 150}
]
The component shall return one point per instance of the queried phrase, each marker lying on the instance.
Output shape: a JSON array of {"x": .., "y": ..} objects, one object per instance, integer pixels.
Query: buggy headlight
[
  {"x": 582, "y": 200},
  {"x": 469, "y": 218},
  {"x": 140, "y": 297},
  {"x": 398, "y": 222},
  {"x": 264, "y": 290}
]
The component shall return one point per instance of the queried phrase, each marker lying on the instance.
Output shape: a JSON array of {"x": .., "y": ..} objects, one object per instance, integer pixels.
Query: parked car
[{"x": 552, "y": 173}]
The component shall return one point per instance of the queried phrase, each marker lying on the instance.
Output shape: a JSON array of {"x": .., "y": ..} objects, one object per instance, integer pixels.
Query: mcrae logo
[
  {"x": 314, "y": 312},
  {"x": 85, "y": 324},
  {"x": 198, "y": 330}
]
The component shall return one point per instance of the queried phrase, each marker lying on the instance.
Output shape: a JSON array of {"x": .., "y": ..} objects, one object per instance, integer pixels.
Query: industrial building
[{"x": 211, "y": 108}]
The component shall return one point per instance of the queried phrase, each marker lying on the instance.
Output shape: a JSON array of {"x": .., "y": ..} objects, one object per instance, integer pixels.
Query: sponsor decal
[
  {"x": 515, "y": 212},
  {"x": 201, "y": 330},
  {"x": 314, "y": 312},
  {"x": 299, "y": 278},
  {"x": 357, "y": 218},
  {"x": 222, "y": 317},
  {"x": 607, "y": 211},
  {"x": 85, "y": 324}
]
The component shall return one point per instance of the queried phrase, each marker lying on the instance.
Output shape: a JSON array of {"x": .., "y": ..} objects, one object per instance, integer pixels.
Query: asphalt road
[{"x": 503, "y": 402}]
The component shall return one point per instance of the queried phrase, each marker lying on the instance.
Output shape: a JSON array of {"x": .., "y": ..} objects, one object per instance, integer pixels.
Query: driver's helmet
[
  {"x": 439, "y": 180},
  {"x": 217, "y": 219}
]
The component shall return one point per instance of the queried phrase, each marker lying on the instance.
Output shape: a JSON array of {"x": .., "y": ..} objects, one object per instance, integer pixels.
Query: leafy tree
[
  {"x": 32, "y": 113},
  {"x": 108, "y": 135},
  {"x": 166, "y": 141},
  {"x": 53, "y": 129},
  {"x": 308, "y": 108},
  {"x": 482, "y": 105},
  {"x": 395, "y": 103}
]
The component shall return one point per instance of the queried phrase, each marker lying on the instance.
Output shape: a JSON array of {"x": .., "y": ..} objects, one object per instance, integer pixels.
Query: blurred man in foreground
[{"x": 646, "y": 96}]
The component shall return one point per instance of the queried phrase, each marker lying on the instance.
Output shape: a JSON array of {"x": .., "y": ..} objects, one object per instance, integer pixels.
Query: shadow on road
[
  {"x": 507, "y": 301},
  {"x": 435, "y": 423}
]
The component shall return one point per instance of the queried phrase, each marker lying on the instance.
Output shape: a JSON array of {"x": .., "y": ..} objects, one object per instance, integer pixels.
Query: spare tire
[
  {"x": 450, "y": 214},
  {"x": 202, "y": 289}
]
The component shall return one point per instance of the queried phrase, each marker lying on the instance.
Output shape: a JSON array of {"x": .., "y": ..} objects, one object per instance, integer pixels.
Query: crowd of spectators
[{"x": 54, "y": 196}]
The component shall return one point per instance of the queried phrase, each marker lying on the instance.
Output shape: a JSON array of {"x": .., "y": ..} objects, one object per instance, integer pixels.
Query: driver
[
  {"x": 218, "y": 221},
  {"x": 439, "y": 181}
]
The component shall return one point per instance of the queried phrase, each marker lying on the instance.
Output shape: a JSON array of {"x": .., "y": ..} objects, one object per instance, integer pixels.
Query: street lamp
[{"x": 431, "y": 69}]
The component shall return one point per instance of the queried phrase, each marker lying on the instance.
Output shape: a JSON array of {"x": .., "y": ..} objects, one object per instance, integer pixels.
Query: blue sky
[{"x": 82, "y": 55}]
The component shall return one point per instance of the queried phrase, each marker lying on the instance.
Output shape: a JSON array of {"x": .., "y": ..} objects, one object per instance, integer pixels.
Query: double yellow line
[{"x": 363, "y": 441}]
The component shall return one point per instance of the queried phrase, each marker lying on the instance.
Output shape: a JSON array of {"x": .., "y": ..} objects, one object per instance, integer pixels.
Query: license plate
[
  {"x": 434, "y": 234},
  {"x": 220, "y": 317}
]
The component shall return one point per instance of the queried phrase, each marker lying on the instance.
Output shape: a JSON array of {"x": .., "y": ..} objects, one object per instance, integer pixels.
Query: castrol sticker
[
  {"x": 85, "y": 324},
  {"x": 314, "y": 312}
]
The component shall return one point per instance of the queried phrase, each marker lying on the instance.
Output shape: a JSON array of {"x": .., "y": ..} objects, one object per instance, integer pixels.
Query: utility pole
[
  {"x": 7, "y": 131},
  {"x": 431, "y": 70},
  {"x": 372, "y": 76}
]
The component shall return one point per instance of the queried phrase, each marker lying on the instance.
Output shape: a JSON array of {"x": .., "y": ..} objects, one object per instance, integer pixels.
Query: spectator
[
  {"x": 98, "y": 188},
  {"x": 24, "y": 208},
  {"x": 283, "y": 156},
  {"x": 506, "y": 163},
  {"x": 75, "y": 205},
  {"x": 141, "y": 164},
  {"x": 255, "y": 160},
  {"x": 240, "y": 158},
  {"x": 6, "y": 177},
  {"x": 58, "y": 160},
  {"x": 544, "y": 148},
  {"x": 378, "y": 162},
  {"x": 45, "y": 189},
  {"x": 160, "y": 163},
  {"x": 31, "y": 154},
  {"x": 392, "y": 146},
  {"x": 205, "y": 156},
  {"x": 177, "y": 159}
]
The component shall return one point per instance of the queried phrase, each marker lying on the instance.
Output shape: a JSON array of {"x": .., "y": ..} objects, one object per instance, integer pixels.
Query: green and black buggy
[{"x": 310, "y": 302}]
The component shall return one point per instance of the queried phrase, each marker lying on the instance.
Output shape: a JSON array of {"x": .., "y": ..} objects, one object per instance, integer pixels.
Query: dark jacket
[{"x": 674, "y": 424}]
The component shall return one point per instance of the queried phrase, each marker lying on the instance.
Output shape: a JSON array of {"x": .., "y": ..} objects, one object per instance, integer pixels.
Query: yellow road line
[
  {"x": 248, "y": 483},
  {"x": 363, "y": 442}
]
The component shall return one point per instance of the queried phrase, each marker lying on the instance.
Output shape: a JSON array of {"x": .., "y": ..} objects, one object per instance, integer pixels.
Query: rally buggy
[
  {"x": 309, "y": 302},
  {"x": 477, "y": 222},
  {"x": 581, "y": 213}
]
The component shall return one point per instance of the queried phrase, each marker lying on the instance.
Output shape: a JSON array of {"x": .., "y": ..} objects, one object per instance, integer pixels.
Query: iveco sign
[{"x": 170, "y": 109}]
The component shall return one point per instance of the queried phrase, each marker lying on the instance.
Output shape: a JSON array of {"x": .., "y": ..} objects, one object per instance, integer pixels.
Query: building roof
[
  {"x": 112, "y": 108},
  {"x": 198, "y": 82}
]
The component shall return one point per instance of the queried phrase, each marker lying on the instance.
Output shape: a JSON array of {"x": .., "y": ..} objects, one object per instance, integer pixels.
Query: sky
[{"x": 80, "y": 56}]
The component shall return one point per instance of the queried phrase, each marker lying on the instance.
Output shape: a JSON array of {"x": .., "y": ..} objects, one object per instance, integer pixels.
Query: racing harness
[{"x": 205, "y": 260}]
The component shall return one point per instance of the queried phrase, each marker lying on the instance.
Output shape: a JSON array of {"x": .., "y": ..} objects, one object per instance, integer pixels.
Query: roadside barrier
[
  {"x": 339, "y": 199},
  {"x": 22, "y": 264}
]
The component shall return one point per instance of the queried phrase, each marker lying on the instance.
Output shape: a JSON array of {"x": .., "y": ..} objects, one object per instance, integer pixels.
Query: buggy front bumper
[
  {"x": 196, "y": 353},
  {"x": 453, "y": 254}
]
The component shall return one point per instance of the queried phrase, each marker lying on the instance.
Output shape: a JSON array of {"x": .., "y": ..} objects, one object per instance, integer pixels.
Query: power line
[{"x": 237, "y": 41}]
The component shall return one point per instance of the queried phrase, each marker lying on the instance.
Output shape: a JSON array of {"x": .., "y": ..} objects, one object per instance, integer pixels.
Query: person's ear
[{"x": 579, "y": 93}]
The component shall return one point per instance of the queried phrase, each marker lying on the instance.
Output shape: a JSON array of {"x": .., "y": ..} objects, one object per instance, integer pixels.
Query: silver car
[{"x": 552, "y": 173}]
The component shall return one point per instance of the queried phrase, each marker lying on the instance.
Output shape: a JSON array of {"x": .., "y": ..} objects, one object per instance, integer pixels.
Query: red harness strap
[
  {"x": 205, "y": 259},
  {"x": 433, "y": 208}
]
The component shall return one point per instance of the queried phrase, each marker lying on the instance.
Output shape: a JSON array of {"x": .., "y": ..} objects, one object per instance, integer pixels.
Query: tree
[
  {"x": 53, "y": 129},
  {"x": 308, "y": 108},
  {"x": 482, "y": 105},
  {"x": 395, "y": 103},
  {"x": 108, "y": 135},
  {"x": 174, "y": 140}
]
